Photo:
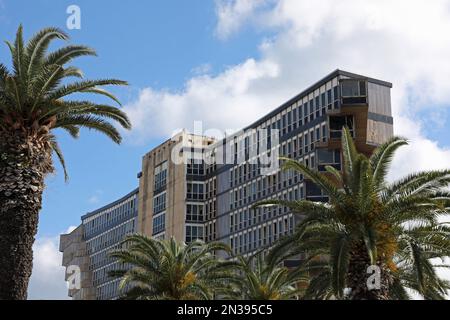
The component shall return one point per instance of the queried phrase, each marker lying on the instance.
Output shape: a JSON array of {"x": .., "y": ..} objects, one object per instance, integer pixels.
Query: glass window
[{"x": 159, "y": 223}]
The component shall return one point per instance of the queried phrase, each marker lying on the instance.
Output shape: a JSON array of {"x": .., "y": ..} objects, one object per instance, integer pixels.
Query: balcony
[{"x": 337, "y": 123}]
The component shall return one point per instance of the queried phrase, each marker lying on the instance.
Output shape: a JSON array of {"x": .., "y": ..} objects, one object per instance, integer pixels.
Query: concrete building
[
  {"x": 196, "y": 187},
  {"x": 171, "y": 196},
  {"x": 309, "y": 127},
  {"x": 88, "y": 246}
]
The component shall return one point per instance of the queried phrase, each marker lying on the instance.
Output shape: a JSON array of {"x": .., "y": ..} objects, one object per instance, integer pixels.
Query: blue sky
[
  {"x": 228, "y": 62},
  {"x": 149, "y": 43}
]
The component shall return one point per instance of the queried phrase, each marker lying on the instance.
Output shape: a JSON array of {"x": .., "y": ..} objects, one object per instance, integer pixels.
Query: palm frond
[{"x": 382, "y": 158}]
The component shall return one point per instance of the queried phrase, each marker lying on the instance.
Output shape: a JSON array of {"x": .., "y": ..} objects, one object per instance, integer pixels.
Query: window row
[
  {"x": 110, "y": 217},
  {"x": 248, "y": 217},
  {"x": 295, "y": 147},
  {"x": 111, "y": 237},
  {"x": 210, "y": 231},
  {"x": 267, "y": 185},
  {"x": 262, "y": 236}
]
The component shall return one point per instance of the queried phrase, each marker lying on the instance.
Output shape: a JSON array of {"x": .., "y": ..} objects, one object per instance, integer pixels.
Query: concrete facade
[{"x": 75, "y": 254}]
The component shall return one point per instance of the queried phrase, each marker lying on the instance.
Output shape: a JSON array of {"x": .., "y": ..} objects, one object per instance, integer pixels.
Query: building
[
  {"x": 309, "y": 130},
  {"x": 172, "y": 189},
  {"x": 196, "y": 187},
  {"x": 100, "y": 232}
]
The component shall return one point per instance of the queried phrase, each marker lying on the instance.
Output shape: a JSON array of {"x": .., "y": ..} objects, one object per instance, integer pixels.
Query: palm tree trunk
[
  {"x": 23, "y": 162},
  {"x": 359, "y": 274}
]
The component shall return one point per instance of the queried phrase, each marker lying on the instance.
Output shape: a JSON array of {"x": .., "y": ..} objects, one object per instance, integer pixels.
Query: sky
[{"x": 226, "y": 63}]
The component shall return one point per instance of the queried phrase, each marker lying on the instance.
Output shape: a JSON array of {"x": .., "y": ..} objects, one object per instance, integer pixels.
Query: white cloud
[
  {"x": 202, "y": 69},
  {"x": 47, "y": 280},
  {"x": 232, "y": 14},
  {"x": 93, "y": 199},
  {"x": 421, "y": 154},
  {"x": 228, "y": 101},
  {"x": 96, "y": 197}
]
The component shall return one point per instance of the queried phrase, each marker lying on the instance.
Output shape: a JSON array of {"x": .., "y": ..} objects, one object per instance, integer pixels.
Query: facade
[
  {"x": 309, "y": 130},
  {"x": 171, "y": 200},
  {"x": 75, "y": 254},
  {"x": 195, "y": 187},
  {"x": 100, "y": 232}
]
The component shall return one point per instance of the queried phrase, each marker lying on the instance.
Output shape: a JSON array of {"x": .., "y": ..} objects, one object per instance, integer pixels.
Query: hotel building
[{"x": 209, "y": 193}]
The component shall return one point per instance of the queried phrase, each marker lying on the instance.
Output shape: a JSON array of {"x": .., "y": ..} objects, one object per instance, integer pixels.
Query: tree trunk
[
  {"x": 24, "y": 161},
  {"x": 359, "y": 275}
]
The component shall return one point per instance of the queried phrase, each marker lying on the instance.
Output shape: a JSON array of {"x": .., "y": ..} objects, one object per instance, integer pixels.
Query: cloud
[
  {"x": 232, "y": 14},
  {"x": 93, "y": 199},
  {"x": 226, "y": 101},
  {"x": 47, "y": 280},
  {"x": 421, "y": 154},
  {"x": 202, "y": 69},
  {"x": 96, "y": 197}
]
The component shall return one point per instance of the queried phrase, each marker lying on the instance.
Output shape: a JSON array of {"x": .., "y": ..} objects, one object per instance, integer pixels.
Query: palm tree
[
  {"x": 33, "y": 103},
  {"x": 393, "y": 227},
  {"x": 264, "y": 278},
  {"x": 166, "y": 270}
]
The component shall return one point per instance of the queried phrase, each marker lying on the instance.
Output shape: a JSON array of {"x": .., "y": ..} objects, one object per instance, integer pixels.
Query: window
[
  {"x": 329, "y": 99},
  {"x": 305, "y": 113},
  {"x": 159, "y": 203},
  {"x": 306, "y": 143},
  {"x": 328, "y": 158},
  {"x": 353, "y": 88},
  {"x": 159, "y": 223},
  {"x": 193, "y": 233},
  {"x": 337, "y": 123},
  {"x": 195, "y": 191},
  {"x": 336, "y": 97},
  {"x": 160, "y": 177},
  {"x": 324, "y": 133},
  {"x": 194, "y": 213},
  {"x": 354, "y": 91},
  {"x": 195, "y": 167},
  {"x": 317, "y": 106}
]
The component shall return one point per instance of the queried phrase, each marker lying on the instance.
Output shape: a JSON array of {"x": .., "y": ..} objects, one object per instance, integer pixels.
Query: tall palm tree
[
  {"x": 264, "y": 278},
  {"x": 166, "y": 270},
  {"x": 370, "y": 222},
  {"x": 34, "y": 101}
]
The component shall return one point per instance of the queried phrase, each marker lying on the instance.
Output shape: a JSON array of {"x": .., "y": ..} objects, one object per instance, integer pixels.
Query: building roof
[
  {"x": 89, "y": 214},
  {"x": 313, "y": 87}
]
